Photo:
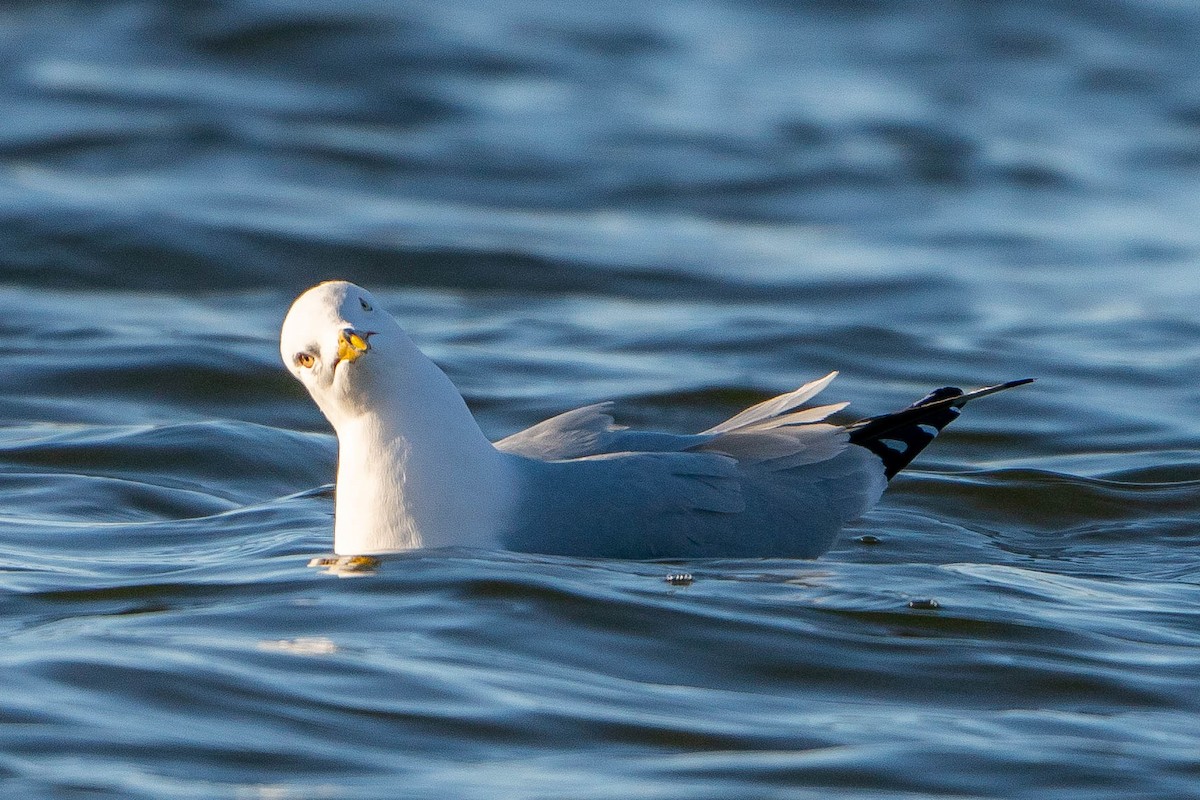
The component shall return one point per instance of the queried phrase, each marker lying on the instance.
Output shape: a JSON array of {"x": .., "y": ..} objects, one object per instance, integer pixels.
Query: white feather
[{"x": 775, "y": 406}]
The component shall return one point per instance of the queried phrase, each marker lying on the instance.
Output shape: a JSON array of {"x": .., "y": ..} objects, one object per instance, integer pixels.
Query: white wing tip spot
[
  {"x": 929, "y": 429},
  {"x": 894, "y": 444}
]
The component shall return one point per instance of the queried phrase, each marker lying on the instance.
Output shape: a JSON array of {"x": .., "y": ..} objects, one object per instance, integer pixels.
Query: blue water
[{"x": 682, "y": 207}]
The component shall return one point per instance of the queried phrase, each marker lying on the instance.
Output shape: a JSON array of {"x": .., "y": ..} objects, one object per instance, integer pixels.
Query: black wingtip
[
  {"x": 985, "y": 391},
  {"x": 898, "y": 437}
]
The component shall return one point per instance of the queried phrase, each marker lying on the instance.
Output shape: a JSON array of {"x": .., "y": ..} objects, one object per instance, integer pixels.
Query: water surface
[{"x": 682, "y": 208}]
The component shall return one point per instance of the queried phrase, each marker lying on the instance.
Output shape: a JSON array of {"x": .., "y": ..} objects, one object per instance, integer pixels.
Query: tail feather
[{"x": 898, "y": 437}]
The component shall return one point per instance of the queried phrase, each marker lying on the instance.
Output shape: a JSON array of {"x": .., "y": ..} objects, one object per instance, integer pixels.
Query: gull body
[{"x": 415, "y": 469}]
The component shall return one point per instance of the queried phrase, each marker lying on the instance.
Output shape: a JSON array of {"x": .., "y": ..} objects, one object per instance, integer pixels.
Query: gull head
[
  {"x": 414, "y": 468},
  {"x": 336, "y": 341}
]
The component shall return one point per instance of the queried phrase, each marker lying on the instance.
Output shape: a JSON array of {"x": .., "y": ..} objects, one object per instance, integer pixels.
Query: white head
[
  {"x": 328, "y": 342},
  {"x": 414, "y": 469}
]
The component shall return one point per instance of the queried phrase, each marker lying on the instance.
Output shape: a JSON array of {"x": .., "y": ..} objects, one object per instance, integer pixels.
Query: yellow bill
[{"x": 351, "y": 345}]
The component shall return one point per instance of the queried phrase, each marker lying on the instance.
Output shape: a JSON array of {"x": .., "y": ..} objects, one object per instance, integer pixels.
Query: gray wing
[
  {"x": 769, "y": 481},
  {"x": 590, "y": 431},
  {"x": 770, "y": 430},
  {"x": 622, "y": 505},
  {"x": 690, "y": 505}
]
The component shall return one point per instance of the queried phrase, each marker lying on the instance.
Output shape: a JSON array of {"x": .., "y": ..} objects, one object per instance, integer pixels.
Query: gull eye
[
  {"x": 365, "y": 305},
  {"x": 305, "y": 360}
]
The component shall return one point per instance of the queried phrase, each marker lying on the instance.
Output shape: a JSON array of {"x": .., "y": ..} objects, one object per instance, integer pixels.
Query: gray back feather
[
  {"x": 590, "y": 431},
  {"x": 768, "y": 481}
]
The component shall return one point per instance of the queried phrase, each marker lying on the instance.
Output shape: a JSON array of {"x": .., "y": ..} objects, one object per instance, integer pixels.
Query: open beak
[{"x": 352, "y": 344}]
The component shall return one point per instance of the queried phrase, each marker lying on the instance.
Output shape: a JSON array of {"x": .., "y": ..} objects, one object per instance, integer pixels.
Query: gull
[{"x": 416, "y": 471}]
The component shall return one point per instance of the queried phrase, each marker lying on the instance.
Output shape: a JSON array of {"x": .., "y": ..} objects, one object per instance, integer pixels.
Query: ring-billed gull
[{"x": 415, "y": 470}]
